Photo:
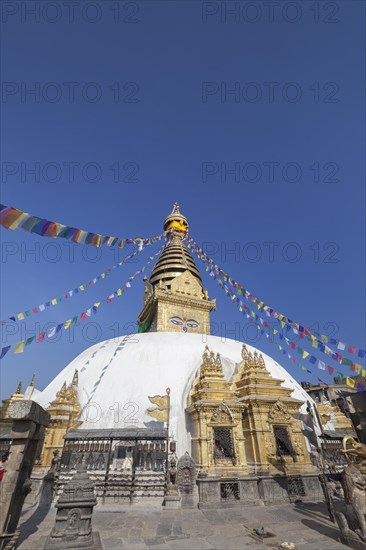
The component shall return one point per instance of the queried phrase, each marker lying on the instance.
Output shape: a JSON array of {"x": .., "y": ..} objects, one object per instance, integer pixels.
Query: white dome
[{"x": 117, "y": 376}]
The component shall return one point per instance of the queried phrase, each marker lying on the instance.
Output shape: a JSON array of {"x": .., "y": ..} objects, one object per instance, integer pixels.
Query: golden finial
[
  {"x": 19, "y": 388},
  {"x": 62, "y": 391},
  {"x": 33, "y": 381},
  {"x": 175, "y": 208},
  {"x": 244, "y": 352},
  {"x": 75, "y": 378}
]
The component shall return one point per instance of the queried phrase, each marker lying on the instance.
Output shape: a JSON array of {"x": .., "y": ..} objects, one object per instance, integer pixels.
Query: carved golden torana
[{"x": 253, "y": 420}]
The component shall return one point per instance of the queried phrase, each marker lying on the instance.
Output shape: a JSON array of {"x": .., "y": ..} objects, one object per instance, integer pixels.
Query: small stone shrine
[
  {"x": 186, "y": 481},
  {"x": 73, "y": 527}
]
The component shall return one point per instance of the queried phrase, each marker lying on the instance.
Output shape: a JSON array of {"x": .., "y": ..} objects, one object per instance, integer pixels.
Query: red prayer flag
[
  {"x": 41, "y": 336},
  {"x": 352, "y": 349},
  {"x": 83, "y": 316},
  {"x": 330, "y": 370}
]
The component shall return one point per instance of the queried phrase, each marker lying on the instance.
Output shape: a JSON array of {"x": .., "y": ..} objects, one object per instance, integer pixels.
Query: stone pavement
[{"x": 150, "y": 526}]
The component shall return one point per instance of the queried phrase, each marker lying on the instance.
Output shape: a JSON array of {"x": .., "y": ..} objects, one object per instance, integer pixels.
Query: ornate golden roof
[{"x": 175, "y": 259}]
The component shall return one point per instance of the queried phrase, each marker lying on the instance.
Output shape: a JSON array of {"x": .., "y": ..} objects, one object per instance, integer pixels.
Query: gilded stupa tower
[{"x": 174, "y": 298}]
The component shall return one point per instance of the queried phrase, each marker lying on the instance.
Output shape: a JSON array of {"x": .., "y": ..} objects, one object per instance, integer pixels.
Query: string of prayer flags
[
  {"x": 303, "y": 332},
  {"x": 70, "y": 293},
  {"x": 251, "y": 315},
  {"x": 12, "y": 218},
  {"x": 18, "y": 347}
]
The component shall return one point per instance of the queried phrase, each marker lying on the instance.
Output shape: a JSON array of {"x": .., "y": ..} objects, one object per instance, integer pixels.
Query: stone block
[
  {"x": 249, "y": 494},
  {"x": 313, "y": 488},
  {"x": 273, "y": 489},
  {"x": 29, "y": 410},
  {"x": 172, "y": 501}
]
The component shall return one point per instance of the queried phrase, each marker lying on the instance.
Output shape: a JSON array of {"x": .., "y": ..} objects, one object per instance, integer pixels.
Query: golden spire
[
  {"x": 18, "y": 391},
  {"x": 175, "y": 258},
  {"x": 33, "y": 381}
]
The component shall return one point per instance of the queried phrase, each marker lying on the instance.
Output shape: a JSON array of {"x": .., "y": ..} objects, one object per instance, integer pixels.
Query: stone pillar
[{"x": 29, "y": 423}]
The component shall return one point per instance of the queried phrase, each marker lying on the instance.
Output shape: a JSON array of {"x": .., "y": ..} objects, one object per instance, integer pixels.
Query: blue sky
[{"x": 161, "y": 102}]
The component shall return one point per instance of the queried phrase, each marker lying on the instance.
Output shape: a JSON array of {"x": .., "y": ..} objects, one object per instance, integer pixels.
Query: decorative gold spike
[
  {"x": 62, "y": 391},
  {"x": 75, "y": 379},
  {"x": 33, "y": 381},
  {"x": 244, "y": 352},
  {"x": 18, "y": 391}
]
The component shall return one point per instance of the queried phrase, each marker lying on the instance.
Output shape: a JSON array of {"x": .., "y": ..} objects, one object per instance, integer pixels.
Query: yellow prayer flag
[
  {"x": 275, "y": 331},
  {"x": 162, "y": 416},
  {"x": 364, "y": 373},
  {"x": 19, "y": 347},
  {"x": 283, "y": 324},
  {"x": 81, "y": 287},
  {"x": 67, "y": 324},
  {"x": 54, "y": 301},
  {"x": 265, "y": 308},
  {"x": 350, "y": 382},
  {"x": 19, "y": 219},
  {"x": 305, "y": 354},
  {"x": 315, "y": 344},
  {"x": 119, "y": 292},
  {"x": 20, "y": 316},
  {"x": 97, "y": 304},
  {"x": 160, "y": 400}
]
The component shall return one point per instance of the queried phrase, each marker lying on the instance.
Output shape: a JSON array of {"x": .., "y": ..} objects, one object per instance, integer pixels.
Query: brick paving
[{"x": 143, "y": 526}]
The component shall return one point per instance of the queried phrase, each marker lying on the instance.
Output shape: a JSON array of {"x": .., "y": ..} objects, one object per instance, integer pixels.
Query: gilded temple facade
[{"x": 247, "y": 426}]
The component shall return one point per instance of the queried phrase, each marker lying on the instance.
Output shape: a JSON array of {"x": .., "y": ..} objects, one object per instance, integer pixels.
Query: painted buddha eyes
[
  {"x": 185, "y": 324},
  {"x": 176, "y": 321}
]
